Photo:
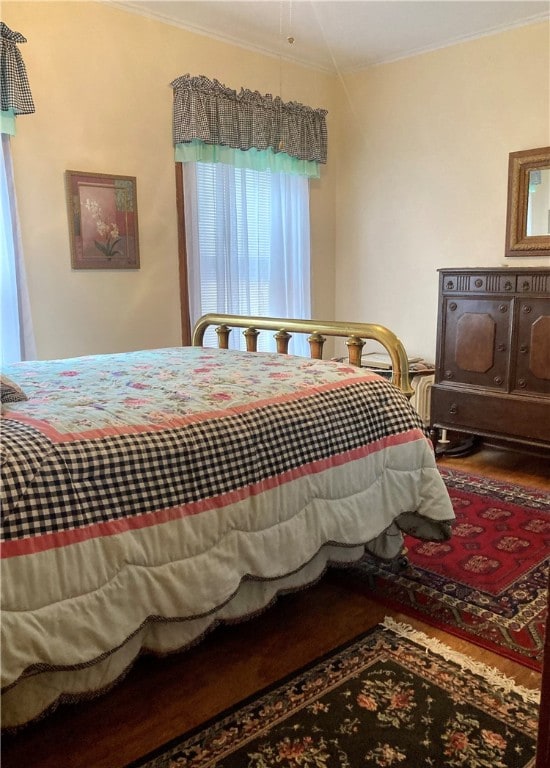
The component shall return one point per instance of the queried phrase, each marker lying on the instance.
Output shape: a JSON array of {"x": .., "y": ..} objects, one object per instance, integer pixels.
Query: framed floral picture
[{"x": 103, "y": 220}]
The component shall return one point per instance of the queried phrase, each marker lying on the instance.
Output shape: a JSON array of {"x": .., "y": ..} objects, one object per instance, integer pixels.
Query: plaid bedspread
[
  {"x": 168, "y": 429},
  {"x": 152, "y": 484}
]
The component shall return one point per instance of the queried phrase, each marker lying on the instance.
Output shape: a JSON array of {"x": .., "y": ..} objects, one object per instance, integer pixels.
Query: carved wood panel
[
  {"x": 533, "y": 346},
  {"x": 477, "y": 342}
]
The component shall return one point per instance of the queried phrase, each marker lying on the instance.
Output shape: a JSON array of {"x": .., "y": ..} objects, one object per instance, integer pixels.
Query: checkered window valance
[
  {"x": 14, "y": 86},
  {"x": 208, "y": 111}
]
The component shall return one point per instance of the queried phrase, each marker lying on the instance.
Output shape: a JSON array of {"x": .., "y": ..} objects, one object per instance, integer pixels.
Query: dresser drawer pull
[
  {"x": 453, "y": 306},
  {"x": 478, "y": 283},
  {"x": 508, "y": 285},
  {"x": 522, "y": 383},
  {"x": 503, "y": 308},
  {"x": 526, "y": 285},
  {"x": 501, "y": 347},
  {"x": 449, "y": 285},
  {"x": 526, "y": 308},
  {"x": 498, "y": 380},
  {"x": 449, "y": 374},
  {"x": 453, "y": 409},
  {"x": 524, "y": 349}
]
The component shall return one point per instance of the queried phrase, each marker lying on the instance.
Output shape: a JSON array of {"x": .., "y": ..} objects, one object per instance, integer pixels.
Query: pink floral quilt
[{"x": 147, "y": 496}]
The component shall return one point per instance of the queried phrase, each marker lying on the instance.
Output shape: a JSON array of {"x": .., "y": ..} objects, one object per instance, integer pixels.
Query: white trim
[
  {"x": 130, "y": 7},
  {"x": 127, "y": 5},
  {"x": 492, "y": 675},
  {"x": 538, "y": 18}
]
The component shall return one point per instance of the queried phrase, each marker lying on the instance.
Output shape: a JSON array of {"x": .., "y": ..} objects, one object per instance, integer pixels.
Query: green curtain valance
[
  {"x": 208, "y": 112},
  {"x": 15, "y": 92},
  {"x": 256, "y": 159},
  {"x": 7, "y": 122}
]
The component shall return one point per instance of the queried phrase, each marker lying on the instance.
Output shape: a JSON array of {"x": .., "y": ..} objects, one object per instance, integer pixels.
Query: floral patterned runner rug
[
  {"x": 392, "y": 697},
  {"x": 489, "y": 583}
]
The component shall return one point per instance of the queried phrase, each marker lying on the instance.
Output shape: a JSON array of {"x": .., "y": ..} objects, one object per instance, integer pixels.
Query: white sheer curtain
[
  {"x": 17, "y": 339},
  {"x": 248, "y": 245}
]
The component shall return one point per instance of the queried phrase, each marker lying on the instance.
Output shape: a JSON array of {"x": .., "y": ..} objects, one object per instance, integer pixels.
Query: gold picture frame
[
  {"x": 526, "y": 169},
  {"x": 103, "y": 220}
]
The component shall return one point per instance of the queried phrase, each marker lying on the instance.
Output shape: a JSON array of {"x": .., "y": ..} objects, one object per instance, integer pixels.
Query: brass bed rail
[{"x": 355, "y": 334}]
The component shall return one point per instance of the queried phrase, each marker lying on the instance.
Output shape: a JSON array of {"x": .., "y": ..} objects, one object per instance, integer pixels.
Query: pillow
[{"x": 10, "y": 391}]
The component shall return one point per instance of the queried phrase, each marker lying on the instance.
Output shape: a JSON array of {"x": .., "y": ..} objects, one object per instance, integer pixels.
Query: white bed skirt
[{"x": 37, "y": 695}]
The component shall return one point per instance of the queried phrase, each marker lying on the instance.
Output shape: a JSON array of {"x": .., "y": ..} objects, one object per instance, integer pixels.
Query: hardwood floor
[
  {"x": 162, "y": 698},
  {"x": 516, "y": 467}
]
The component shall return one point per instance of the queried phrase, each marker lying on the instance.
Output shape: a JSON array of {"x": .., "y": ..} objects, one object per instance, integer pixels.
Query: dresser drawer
[
  {"x": 479, "y": 283},
  {"x": 491, "y": 414},
  {"x": 535, "y": 283}
]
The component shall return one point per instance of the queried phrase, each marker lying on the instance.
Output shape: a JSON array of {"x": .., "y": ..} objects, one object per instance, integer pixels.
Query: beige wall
[
  {"x": 416, "y": 178},
  {"x": 100, "y": 80},
  {"x": 422, "y": 177}
]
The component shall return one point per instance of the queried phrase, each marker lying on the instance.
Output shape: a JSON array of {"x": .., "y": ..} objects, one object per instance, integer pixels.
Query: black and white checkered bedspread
[{"x": 52, "y": 485}]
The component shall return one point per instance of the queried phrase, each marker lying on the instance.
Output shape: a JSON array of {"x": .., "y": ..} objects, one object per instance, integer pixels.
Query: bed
[{"x": 149, "y": 496}]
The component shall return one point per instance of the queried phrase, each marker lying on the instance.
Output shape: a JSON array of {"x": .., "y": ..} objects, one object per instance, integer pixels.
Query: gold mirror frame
[{"x": 518, "y": 242}]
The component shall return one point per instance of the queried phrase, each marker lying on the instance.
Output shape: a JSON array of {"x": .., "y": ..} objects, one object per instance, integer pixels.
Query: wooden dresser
[{"x": 492, "y": 375}]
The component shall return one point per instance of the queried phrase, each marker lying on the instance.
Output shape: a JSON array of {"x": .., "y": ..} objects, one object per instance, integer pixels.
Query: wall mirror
[{"x": 528, "y": 216}]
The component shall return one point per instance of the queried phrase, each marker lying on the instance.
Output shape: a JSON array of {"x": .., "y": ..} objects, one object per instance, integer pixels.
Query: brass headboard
[{"x": 355, "y": 334}]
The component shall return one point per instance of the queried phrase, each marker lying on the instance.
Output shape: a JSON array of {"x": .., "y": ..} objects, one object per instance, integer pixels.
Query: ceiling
[{"x": 342, "y": 35}]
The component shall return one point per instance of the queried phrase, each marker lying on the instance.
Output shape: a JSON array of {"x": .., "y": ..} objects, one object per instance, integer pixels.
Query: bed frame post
[
  {"x": 282, "y": 338},
  {"x": 316, "y": 342},
  {"x": 251, "y": 336},
  {"x": 355, "y": 347},
  {"x": 223, "y": 332}
]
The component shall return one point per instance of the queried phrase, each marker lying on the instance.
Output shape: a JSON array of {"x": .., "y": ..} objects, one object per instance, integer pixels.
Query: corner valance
[
  {"x": 16, "y": 96},
  {"x": 209, "y": 113}
]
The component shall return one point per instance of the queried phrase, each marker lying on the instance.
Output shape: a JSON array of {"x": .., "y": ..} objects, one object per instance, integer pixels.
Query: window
[
  {"x": 17, "y": 340},
  {"x": 248, "y": 246}
]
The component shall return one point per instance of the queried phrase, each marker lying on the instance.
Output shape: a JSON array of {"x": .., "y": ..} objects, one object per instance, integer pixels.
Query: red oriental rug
[{"x": 489, "y": 583}]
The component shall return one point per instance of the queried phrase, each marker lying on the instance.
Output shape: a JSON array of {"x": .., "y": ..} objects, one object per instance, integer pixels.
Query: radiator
[{"x": 420, "y": 400}]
